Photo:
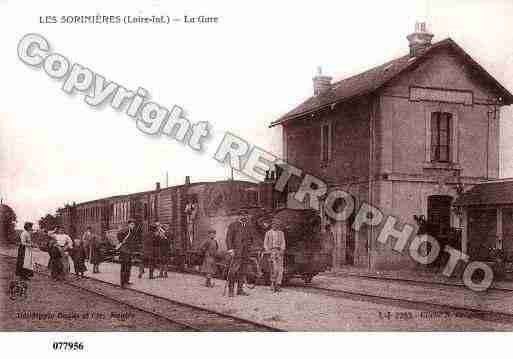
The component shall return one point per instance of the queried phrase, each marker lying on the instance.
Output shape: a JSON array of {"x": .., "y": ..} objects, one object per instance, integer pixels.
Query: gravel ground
[
  {"x": 69, "y": 307},
  {"x": 298, "y": 309}
]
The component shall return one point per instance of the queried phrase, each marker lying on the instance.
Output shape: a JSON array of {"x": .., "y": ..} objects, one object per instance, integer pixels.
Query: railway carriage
[{"x": 191, "y": 209}]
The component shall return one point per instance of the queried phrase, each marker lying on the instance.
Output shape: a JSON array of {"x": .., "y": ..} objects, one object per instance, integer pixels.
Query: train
[{"x": 190, "y": 210}]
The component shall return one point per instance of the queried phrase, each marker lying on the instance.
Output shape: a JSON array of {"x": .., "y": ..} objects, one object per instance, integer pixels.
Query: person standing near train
[
  {"x": 24, "y": 265},
  {"x": 95, "y": 249},
  {"x": 55, "y": 264},
  {"x": 239, "y": 238},
  {"x": 274, "y": 246},
  {"x": 209, "y": 250},
  {"x": 164, "y": 251},
  {"x": 129, "y": 240},
  {"x": 148, "y": 253},
  {"x": 65, "y": 245},
  {"x": 78, "y": 255}
]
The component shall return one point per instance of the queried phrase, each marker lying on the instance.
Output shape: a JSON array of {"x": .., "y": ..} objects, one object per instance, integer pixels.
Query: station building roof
[
  {"x": 487, "y": 194},
  {"x": 371, "y": 80}
]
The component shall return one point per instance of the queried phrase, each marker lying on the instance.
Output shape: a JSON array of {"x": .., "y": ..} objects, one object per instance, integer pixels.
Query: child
[
  {"x": 55, "y": 263},
  {"x": 79, "y": 254},
  {"x": 209, "y": 250}
]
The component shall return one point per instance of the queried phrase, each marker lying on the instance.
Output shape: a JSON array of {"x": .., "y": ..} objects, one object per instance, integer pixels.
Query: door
[
  {"x": 439, "y": 215},
  {"x": 439, "y": 225}
]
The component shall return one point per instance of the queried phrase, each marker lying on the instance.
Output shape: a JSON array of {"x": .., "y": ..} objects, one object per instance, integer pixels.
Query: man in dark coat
[
  {"x": 164, "y": 250},
  {"x": 239, "y": 238},
  {"x": 129, "y": 241}
]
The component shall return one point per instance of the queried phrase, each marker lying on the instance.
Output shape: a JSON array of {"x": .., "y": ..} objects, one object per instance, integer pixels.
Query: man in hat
[
  {"x": 129, "y": 241},
  {"x": 239, "y": 238},
  {"x": 209, "y": 250},
  {"x": 164, "y": 250},
  {"x": 274, "y": 246}
]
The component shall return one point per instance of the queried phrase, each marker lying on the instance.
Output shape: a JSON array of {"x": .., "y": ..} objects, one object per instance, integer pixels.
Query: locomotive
[{"x": 190, "y": 210}]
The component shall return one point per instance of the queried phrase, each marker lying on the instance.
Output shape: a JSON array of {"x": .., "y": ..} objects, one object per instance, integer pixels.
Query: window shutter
[{"x": 434, "y": 136}]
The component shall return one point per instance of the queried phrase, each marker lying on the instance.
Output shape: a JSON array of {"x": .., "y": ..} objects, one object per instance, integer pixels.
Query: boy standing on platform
[
  {"x": 78, "y": 255},
  {"x": 209, "y": 250}
]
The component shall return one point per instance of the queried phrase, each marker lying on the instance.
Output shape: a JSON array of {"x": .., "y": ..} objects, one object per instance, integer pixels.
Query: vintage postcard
[{"x": 264, "y": 167}]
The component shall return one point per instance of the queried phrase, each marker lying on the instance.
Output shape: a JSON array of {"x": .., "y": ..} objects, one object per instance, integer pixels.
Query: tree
[
  {"x": 48, "y": 222},
  {"x": 7, "y": 224}
]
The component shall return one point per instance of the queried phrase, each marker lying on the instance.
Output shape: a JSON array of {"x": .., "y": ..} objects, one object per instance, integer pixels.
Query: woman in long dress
[{"x": 24, "y": 265}]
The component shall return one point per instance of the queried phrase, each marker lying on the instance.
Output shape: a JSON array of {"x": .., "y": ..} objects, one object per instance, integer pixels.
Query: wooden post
[
  {"x": 464, "y": 231},
  {"x": 498, "y": 243}
]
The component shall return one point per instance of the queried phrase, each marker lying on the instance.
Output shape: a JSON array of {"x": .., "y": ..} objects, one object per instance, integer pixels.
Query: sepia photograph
[{"x": 319, "y": 167}]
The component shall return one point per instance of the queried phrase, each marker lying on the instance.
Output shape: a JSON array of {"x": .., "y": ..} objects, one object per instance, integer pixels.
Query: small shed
[{"x": 487, "y": 216}]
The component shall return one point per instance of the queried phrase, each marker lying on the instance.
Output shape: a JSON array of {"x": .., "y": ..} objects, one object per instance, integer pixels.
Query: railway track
[
  {"x": 481, "y": 314},
  {"x": 187, "y": 316}
]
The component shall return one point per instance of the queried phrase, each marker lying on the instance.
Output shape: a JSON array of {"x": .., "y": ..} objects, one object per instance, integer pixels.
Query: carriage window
[{"x": 440, "y": 136}]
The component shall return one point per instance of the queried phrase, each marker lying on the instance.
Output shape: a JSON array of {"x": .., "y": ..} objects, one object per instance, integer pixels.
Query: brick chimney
[
  {"x": 321, "y": 83},
  {"x": 419, "y": 40},
  {"x": 187, "y": 180},
  {"x": 157, "y": 186}
]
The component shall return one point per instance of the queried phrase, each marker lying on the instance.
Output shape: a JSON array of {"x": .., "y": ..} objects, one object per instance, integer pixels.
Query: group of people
[
  {"x": 239, "y": 241},
  {"x": 240, "y": 238},
  {"x": 63, "y": 251},
  {"x": 156, "y": 253}
]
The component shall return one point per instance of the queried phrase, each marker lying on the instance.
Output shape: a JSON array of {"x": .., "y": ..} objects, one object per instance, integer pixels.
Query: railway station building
[{"x": 409, "y": 137}]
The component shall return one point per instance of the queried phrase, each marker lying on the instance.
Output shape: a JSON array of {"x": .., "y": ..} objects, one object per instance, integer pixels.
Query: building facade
[{"x": 407, "y": 137}]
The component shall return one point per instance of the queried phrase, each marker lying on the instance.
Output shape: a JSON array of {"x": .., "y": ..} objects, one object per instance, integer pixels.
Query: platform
[{"x": 304, "y": 310}]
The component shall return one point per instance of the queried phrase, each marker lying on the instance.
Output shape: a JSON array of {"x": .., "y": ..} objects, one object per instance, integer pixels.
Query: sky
[{"x": 239, "y": 75}]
